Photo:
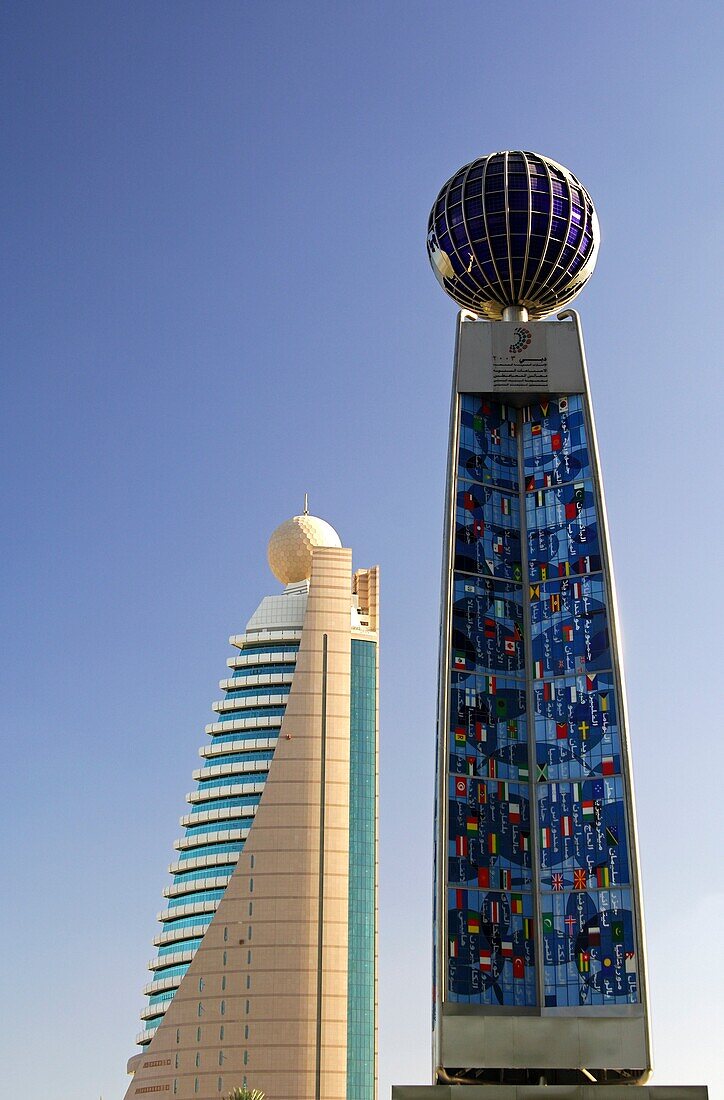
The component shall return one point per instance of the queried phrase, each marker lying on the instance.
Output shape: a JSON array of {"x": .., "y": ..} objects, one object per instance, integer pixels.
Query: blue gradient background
[{"x": 215, "y": 297}]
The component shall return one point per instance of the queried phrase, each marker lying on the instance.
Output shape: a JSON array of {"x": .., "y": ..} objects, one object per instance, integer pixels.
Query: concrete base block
[{"x": 549, "y": 1092}]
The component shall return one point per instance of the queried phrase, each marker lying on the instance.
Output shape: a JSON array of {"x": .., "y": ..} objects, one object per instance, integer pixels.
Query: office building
[{"x": 265, "y": 971}]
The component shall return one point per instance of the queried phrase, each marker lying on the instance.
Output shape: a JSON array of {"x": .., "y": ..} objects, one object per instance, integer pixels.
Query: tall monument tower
[
  {"x": 539, "y": 958},
  {"x": 266, "y": 965}
]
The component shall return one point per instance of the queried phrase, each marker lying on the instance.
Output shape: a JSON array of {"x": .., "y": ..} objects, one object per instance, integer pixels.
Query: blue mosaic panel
[
  {"x": 588, "y": 952},
  {"x": 555, "y": 449},
  {"x": 582, "y": 835},
  {"x": 488, "y": 734},
  {"x": 489, "y": 844},
  {"x": 487, "y": 532},
  {"x": 491, "y": 955},
  {"x": 488, "y": 448},
  {"x": 487, "y": 626},
  {"x": 489, "y": 833},
  {"x": 562, "y": 531},
  {"x": 573, "y": 848},
  {"x": 576, "y": 730},
  {"x": 569, "y": 626}
]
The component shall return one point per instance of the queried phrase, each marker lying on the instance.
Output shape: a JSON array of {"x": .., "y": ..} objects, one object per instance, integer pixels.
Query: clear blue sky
[{"x": 216, "y": 296}]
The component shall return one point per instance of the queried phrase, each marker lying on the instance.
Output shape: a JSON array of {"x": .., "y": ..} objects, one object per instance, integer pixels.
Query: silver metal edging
[{"x": 446, "y": 590}]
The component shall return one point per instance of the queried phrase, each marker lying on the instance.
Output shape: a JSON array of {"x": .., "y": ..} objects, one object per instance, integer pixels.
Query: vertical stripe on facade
[{"x": 362, "y": 908}]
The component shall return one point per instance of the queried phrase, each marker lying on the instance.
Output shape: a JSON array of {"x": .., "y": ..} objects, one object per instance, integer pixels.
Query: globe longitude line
[
  {"x": 490, "y": 286},
  {"x": 448, "y": 190}
]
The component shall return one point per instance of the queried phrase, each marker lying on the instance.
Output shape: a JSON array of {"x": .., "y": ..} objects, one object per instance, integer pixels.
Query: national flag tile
[
  {"x": 461, "y": 787},
  {"x": 579, "y": 879},
  {"x": 557, "y": 882}
]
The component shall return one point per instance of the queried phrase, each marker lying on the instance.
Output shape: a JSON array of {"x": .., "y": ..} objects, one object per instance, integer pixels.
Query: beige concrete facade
[{"x": 265, "y": 997}]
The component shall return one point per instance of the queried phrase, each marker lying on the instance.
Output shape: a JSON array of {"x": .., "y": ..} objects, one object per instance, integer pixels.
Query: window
[
  {"x": 223, "y": 981},
  {"x": 221, "y": 1033},
  {"x": 200, "y": 1009},
  {"x": 221, "y": 1057},
  {"x": 201, "y": 984},
  {"x": 246, "y": 1056},
  {"x": 251, "y": 907},
  {"x": 223, "y": 1007},
  {"x": 196, "y": 1084},
  {"x": 197, "y": 1060},
  {"x": 251, "y": 885},
  {"x": 248, "y": 981},
  {"x": 176, "y": 1062},
  {"x": 247, "y": 1008},
  {"x": 252, "y": 863},
  {"x": 248, "y": 956},
  {"x": 226, "y": 934},
  {"x": 198, "y": 1034},
  {"x": 224, "y": 958},
  {"x": 175, "y": 1086},
  {"x": 246, "y": 1031},
  {"x": 178, "y": 1034}
]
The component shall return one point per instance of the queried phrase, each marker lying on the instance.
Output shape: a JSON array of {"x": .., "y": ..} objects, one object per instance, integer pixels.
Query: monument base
[{"x": 549, "y": 1092}]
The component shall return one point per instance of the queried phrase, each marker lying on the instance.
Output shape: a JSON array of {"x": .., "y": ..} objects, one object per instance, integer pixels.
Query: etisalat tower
[
  {"x": 539, "y": 961},
  {"x": 266, "y": 966}
]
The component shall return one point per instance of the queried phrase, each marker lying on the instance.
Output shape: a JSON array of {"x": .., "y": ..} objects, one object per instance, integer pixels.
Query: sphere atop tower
[
  {"x": 289, "y": 552},
  {"x": 513, "y": 229}
]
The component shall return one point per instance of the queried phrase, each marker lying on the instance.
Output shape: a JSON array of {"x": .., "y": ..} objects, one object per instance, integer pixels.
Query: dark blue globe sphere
[{"x": 513, "y": 229}]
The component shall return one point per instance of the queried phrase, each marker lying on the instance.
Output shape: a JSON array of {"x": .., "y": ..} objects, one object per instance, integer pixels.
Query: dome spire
[{"x": 293, "y": 543}]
